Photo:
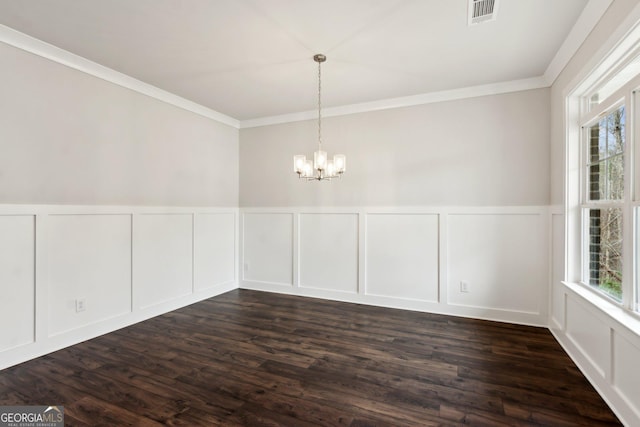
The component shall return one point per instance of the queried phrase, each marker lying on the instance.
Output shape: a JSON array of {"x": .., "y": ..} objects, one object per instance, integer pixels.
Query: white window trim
[
  {"x": 621, "y": 98},
  {"x": 577, "y": 117}
]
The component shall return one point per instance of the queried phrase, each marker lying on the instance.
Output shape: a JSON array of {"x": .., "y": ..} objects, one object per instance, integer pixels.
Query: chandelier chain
[{"x": 319, "y": 104}]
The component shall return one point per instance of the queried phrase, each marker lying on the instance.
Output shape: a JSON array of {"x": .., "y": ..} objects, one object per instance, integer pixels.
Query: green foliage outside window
[{"x": 606, "y": 184}]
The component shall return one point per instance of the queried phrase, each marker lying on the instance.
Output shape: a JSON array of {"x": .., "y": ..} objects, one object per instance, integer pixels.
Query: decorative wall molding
[
  {"x": 125, "y": 263},
  {"x": 420, "y": 238},
  {"x": 607, "y": 352},
  {"x": 402, "y": 102},
  {"x": 38, "y": 47},
  {"x": 587, "y": 20},
  {"x": 49, "y": 221}
]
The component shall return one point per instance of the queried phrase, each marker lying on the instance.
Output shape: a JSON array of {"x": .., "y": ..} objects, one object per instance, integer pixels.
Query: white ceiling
[{"x": 253, "y": 58}]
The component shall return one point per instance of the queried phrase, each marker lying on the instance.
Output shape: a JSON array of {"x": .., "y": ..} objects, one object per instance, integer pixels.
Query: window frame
[{"x": 589, "y": 114}]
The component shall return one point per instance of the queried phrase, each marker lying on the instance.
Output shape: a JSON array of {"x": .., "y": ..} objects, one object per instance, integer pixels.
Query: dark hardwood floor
[{"x": 260, "y": 359}]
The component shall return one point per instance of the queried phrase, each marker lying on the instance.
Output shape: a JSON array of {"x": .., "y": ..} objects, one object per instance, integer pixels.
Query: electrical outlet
[
  {"x": 246, "y": 266},
  {"x": 464, "y": 286},
  {"x": 81, "y": 305}
]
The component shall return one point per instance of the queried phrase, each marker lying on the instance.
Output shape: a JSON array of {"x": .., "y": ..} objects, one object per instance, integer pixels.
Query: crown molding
[
  {"x": 405, "y": 101},
  {"x": 38, "y": 47},
  {"x": 588, "y": 19},
  {"x": 590, "y": 16}
]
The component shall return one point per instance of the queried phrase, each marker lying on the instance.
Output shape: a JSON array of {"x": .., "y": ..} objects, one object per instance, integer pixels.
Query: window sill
[{"x": 628, "y": 319}]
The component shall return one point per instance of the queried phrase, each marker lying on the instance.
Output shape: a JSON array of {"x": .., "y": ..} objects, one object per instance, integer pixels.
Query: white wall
[
  {"x": 17, "y": 280},
  {"x": 411, "y": 258},
  {"x": 602, "y": 342},
  {"x": 485, "y": 151},
  {"x": 402, "y": 250},
  {"x": 328, "y": 251},
  {"x": 126, "y": 263},
  {"x": 466, "y": 187},
  {"x": 605, "y": 344},
  {"x": 109, "y": 197},
  {"x": 70, "y": 138},
  {"x": 89, "y": 258}
]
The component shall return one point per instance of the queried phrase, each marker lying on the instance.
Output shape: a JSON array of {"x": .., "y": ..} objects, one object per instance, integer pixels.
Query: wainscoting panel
[
  {"x": 626, "y": 375},
  {"x": 604, "y": 341},
  {"x": 214, "y": 249},
  {"x": 402, "y": 256},
  {"x": 405, "y": 257},
  {"x": 557, "y": 269},
  {"x": 502, "y": 259},
  {"x": 329, "y": 251},
  {"x": 268, "y": 248},
  {"x": 17, "y": 280},
  {"x": 90, "y": 262},
  {"x": 162, "y": 250},
  {"x": 589, "y": 334},
  {"x": 71, "y": 273}
]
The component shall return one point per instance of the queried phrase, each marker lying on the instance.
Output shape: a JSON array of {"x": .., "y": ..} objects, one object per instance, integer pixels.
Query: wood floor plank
[
  {"x": 99, "y": 413},
  {"x": 261, "y": 359}
]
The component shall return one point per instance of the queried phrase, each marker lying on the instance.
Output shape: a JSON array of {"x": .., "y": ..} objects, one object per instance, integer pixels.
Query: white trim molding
[
  {"x": 590, "y": 16},
  {"x": 424, "y": 251},
  {"x": 38, "y": 47},
  {"x": 601, "y": 364},
  {"x": 588, "y": 19},
  {"x": 405, "y": 101},
  {"x": 602, "y": 337},
  {"x": 125, "y": 263}
]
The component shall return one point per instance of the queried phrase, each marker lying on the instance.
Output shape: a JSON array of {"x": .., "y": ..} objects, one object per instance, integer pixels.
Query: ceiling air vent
[{"x": 482, "y": 11}]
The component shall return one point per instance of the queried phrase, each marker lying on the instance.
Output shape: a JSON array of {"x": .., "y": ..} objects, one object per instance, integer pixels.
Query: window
[
  {"x": 603, "y": 185},
  {"x": 603, "y": 211}
]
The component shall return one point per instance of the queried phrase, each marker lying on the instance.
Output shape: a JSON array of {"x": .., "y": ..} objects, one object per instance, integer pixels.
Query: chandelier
[{"x": 321, "y": 168}]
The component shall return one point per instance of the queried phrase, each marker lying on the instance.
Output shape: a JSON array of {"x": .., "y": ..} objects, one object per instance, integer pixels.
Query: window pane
[
  {"x": 605, "y": 251},
  {"x": 606, "y": 157},
  {"x": 615, "y": 177},
  {"x": 598, "y": 142},
  {"x": 597, "y": 183}
]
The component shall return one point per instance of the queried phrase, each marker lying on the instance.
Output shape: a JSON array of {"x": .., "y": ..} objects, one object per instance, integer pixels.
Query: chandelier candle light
[{"x": 321, "y": 168}]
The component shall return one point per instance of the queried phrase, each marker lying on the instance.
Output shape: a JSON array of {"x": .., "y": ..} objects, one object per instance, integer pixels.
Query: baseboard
[
  {"x": 618, "y": 405},
  {"x": 508, "y": 316},
  {"x": 48, "y": 345}
]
